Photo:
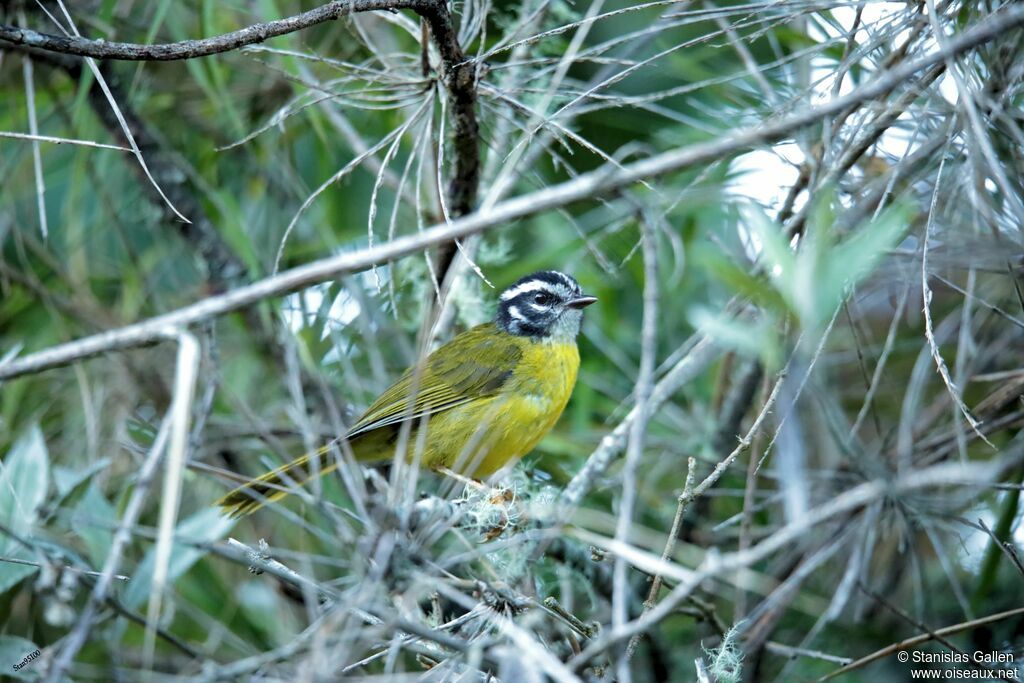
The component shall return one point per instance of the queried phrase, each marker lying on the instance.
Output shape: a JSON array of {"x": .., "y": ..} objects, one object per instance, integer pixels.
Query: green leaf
[
  {"x": 757, "y": 289},
  {"x": 755, "y": 341},
  {"x": 12, "y": 574},
  {"x": 66, "y": 479},
  {"x": 13, "y": 651},
  {"x": 776, "y": 255},
  {"x": 94, "y": 520},
  {"x": 846, "y": 264},
  {"x": 24, "y": 477},
  {"x": 203, "y": 527}
]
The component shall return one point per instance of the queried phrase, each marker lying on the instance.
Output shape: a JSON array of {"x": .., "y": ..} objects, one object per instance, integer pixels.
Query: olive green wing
[{"x": 476, "y": 364}]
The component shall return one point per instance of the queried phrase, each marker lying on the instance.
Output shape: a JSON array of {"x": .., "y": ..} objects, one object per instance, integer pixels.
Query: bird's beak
[{"x": 580, "y": 301}]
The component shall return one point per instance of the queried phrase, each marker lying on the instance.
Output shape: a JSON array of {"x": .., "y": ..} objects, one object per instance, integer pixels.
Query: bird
[{"x": 485, "y": 398}]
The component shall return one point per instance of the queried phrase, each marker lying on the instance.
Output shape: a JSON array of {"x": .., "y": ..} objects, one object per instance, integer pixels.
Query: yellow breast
[{"x": 481, "y": 437}]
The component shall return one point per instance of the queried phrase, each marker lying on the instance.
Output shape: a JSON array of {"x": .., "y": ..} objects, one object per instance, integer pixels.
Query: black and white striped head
[{"x": 546, "y": 304}]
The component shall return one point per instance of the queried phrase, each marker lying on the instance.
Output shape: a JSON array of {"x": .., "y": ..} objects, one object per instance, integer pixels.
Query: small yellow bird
[{"x": 486, "y": 397}]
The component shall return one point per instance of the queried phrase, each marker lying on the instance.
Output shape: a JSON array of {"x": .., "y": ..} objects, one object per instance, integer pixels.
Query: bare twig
[
  {"x": 743, "y": 444},
  {"x": 638, "y": 428},
  {"x": 74, "y": 641},
  {"x": 61, "y": 141},
  {"x": 926, "y": 295},
  {"x": 33, "y": 126},
  {"x": 922, "y": 638},
  {"x": 186, "y": 369},
  {"x": 459, "y": 74},
  {"x": 63, "y": 568},
  {"x": 695, "y": 362},
  {"x": 670, "y": 545}
]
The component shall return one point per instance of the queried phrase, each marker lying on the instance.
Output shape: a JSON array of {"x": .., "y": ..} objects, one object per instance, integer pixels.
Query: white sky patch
[
  {"x": 875, "y": 17},
  {"x": 765, "y": 176},
  {"x": 302, "y": 309},
  {"x": 750, "y": 240},
  {"x": 948, "y": 89},
  {"x": 343, "y": 311},
  {"x": 975, "y": 542},
  {"x": 299, "y": 309}
]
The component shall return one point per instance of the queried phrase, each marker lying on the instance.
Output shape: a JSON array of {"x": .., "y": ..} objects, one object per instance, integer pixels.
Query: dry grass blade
[
  {"x": 61, "y": 141},
  {"x": 186, "y": 370},
  {"x": 37, "y": 162}
]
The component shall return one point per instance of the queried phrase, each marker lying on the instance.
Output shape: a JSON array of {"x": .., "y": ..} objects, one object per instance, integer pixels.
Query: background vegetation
[{"x": 795, "y": 439}]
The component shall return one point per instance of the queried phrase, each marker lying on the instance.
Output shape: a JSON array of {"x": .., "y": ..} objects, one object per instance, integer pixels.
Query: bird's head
[{"x": 547, "y": 305}]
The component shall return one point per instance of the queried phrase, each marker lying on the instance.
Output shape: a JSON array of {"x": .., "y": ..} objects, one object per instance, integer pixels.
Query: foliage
[{"x": 805, "y": 260}]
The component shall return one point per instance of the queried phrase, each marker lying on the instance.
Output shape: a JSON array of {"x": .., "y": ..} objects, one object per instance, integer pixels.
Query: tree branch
[
  {"x": 459, "y": 75},
  {"x": 190, "y": 49}
]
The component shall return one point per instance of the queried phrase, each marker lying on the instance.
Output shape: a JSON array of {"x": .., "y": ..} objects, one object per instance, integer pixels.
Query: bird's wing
[{"x": 474, "y": 365}]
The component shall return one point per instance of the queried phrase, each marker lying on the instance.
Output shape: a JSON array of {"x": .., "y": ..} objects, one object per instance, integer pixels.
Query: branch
[
  {"x": 922, "y": 638},
  {"x": 638, "y": 429},
  {"x": 690, "y": 366},
  {"x": 459, "y": 76},
  {"x": 190, "y": 49},
  {"x": 122, "y": 535},
  {"x": 606, "y": 179}
]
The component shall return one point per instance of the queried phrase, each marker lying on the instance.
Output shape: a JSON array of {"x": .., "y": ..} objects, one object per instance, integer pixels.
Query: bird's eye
[{"x": 543, "y": 298}]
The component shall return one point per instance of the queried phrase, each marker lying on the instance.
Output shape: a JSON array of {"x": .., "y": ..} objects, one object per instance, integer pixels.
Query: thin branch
[
  {"x": 61, "y": 141},
  {"x": 690, "y": 366},
  {"x": 62, "y": 567},
  {"x": 670, "y": 546},
  {"x": 186, "y": 370},
  {"x": 190, "y": 49},
  {"x": 926, "y": 295},
  {"x": 638, "y": 428},
  {"x": 395, "y": 135},
  {"x": 459, "y": 76},
  {"x": 744, "y": 443},
  {"x": 923, "y": 638},
  {"x": 101, "y": 590},
  {"x": 37, "y": 160}
]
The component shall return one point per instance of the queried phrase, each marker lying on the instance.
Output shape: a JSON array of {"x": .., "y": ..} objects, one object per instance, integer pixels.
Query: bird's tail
[{"x": 274, "y": 485}]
